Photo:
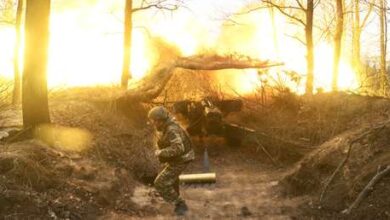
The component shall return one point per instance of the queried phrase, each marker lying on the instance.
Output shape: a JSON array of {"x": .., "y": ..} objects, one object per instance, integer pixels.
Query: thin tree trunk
[
  {"x": 337, "y": 43},
  {"x": 356, "y": 40},
  {"x": 309, "y": 47},
  {"x": 34, "y": 97},
  {"x": 383, "y": 36},
  {"x": 17, "y": 90},
  {"x": 274, "y": 31},
  {"x": 126, "y": 74}
]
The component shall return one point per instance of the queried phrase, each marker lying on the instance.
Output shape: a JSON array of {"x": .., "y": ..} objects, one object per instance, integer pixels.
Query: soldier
[{"x": 175, "y": 151}]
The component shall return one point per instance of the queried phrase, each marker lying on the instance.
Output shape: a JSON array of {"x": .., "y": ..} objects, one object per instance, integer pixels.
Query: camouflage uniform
[{"x": 176, "y": 152}]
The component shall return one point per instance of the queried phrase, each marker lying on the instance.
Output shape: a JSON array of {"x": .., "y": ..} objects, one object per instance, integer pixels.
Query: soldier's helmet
[{"x": 158, "y": 113}]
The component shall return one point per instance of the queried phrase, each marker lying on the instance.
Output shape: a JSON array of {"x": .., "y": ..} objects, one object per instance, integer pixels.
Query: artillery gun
[{"x": 206, "y": 117}]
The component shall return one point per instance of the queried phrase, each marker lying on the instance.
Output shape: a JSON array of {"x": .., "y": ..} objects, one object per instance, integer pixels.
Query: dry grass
[
  {"x": 367, "y": 157},
  {"x": 28, "y": 164},
  {"x": 87, "y": 182},
  {"x": 312, "y": 119},
  {"x": 121, "y": 147},
  {"x": 117, "y": 139}
]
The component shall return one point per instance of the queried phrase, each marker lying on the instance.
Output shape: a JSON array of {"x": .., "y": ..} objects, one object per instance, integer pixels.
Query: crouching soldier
[{"x": 175, "y": 151}]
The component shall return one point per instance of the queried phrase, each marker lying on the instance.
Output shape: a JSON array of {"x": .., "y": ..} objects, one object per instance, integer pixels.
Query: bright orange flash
[{"x": 87, "y": 49}]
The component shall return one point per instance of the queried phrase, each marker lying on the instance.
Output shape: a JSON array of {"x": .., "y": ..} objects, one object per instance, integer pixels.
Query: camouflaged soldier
[{"x": 175, "y": 151}]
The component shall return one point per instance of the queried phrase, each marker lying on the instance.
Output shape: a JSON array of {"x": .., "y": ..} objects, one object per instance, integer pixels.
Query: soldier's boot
[{"x": 181, "y": 208}]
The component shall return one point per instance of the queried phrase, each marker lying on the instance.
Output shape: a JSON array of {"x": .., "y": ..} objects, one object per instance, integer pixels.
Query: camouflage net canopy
[{"x": 154, "y": 83}]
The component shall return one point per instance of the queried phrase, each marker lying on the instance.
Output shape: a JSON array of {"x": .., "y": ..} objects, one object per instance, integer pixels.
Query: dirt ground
[
  {"x": 246, "y": 187},
  {"x": 106, "y": 174}
]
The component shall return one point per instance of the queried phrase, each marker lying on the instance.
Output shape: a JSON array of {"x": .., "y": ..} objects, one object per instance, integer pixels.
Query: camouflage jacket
[{"x": 175, "y": 144}]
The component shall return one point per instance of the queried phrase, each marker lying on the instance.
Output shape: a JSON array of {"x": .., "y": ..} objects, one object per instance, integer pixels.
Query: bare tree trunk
[
  {"x": 337, "y": 43},
  {"x": 34, "y": 97},
  {"x": 126, "y": 74},
  {"x": 358, "y": 26},
  {"x": 383, "y": 44},
  {"x": 308, "y": 25},
  {"x": 356, "y": 59},
  {"x": 17, "y": 90},
  {"x": 274, "y": 31},
  {"x": 309, "y": 47}
]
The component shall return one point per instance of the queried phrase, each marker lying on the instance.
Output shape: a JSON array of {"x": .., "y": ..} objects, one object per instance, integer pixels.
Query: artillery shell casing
[{"x": 198, "y": 178}]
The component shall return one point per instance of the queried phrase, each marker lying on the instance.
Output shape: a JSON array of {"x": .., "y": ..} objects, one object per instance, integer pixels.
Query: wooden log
[{"x": 198, "y": 178}]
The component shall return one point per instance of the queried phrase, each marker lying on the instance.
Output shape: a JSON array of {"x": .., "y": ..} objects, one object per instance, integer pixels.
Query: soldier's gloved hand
[{"x": 157, "y": 153}]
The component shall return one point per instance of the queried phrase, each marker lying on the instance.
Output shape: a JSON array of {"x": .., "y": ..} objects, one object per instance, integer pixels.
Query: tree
[
  {"x": 309, "y": 46},
  {"x": 126, "y": 75},
  {"x": 128, "y": 27},
  {"x": 294, "y": 12},
  {"x": 358, "y": 27},
  {"x": 7, "y": 17},
  {"x": 17, "y": 93},
  {"x": 337, "y": 42},
  {"x": 383, "y": 45},
  {"x": 34, "y": 96}
]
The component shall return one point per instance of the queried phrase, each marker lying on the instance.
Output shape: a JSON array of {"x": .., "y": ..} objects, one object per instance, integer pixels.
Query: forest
[{"x": 285, "y": 103}]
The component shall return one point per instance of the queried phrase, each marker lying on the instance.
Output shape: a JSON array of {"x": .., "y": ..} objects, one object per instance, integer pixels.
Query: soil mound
[
  {"x": 84, "y": 165},
  {"x": 353, "y": 158},
  {"x": 292, "y": 126}
]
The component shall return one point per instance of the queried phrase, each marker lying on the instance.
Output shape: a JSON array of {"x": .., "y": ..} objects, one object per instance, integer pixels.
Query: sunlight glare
[{"x": 86, "y": 47}]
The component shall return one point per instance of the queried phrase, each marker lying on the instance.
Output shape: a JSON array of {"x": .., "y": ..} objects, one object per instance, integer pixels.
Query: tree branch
[
  {"x": 367, "y": 15},
  {"x": 281, "y": 9},
  {"x": 300, "y": 5},
  {"x": 344, "y": 161},
  {"x": 158, "y": 5},
  {"x": 296, "y": 38},
  {"x": 363, "y": 194}
]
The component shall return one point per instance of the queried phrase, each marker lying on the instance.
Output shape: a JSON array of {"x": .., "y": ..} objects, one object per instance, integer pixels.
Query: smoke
[
  {"x": 163, "y": 51},
  {"x": 86, "y": 44}
]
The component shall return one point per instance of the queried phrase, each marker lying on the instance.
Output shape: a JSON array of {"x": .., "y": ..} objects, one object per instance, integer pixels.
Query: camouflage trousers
[{"x": 167, "y": 182}]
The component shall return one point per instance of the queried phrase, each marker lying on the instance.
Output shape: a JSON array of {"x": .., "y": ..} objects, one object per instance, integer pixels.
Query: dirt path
[{"x": 245, "y": 188}]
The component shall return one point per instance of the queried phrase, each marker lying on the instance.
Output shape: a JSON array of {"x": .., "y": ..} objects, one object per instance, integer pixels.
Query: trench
[{"x": 247, "y": 187}]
